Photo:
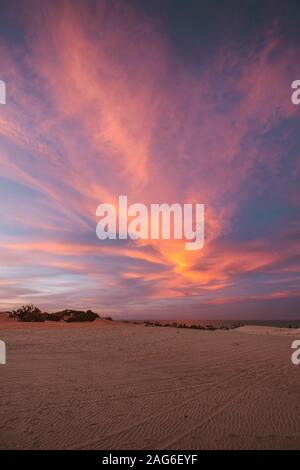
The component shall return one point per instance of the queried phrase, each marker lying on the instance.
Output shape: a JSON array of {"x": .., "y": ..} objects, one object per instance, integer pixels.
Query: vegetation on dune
[
  {"x": 193, "y": 326},
  {"x": 30, "y": 313},
  {"x": 81, "y": 316},
  {"x": 52, "y": 316}
]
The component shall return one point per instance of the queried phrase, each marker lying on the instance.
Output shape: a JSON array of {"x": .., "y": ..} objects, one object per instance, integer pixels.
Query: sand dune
[{"x": 110, "y": 385}]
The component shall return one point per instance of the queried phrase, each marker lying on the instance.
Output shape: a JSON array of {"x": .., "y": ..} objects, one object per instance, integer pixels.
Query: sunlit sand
[{"x": 110, "y": 385}]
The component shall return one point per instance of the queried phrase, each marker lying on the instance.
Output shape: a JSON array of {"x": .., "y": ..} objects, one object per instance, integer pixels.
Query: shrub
[
  {"x": 80, "y": 316},
  {"x": 28, "y": 313},
  {"x": 52, "y": 317}
]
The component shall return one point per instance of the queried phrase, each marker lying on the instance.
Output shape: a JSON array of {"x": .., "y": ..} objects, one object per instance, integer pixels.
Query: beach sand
[{"x": 110, "y": 385}]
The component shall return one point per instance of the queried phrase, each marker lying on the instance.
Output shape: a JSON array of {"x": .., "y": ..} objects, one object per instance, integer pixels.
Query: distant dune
[{"x": 110, "y": 385}]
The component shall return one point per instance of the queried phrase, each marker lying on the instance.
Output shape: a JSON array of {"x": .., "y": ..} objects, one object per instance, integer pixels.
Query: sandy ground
[{"x": 119, "y": 386}]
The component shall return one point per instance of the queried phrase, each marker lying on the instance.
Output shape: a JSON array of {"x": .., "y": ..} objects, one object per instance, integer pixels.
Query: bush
[
  {"x": 28, "y": 313},
  {"x": 80, "y": 316},
  {"x": 52, "y": 317}
]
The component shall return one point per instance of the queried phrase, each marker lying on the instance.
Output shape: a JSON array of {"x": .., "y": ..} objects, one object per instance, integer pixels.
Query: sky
[{"x": 162, "y": 101}]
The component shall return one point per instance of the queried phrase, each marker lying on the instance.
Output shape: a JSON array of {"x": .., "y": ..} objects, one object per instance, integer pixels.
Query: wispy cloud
[{"x": 99, "y": 105}]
